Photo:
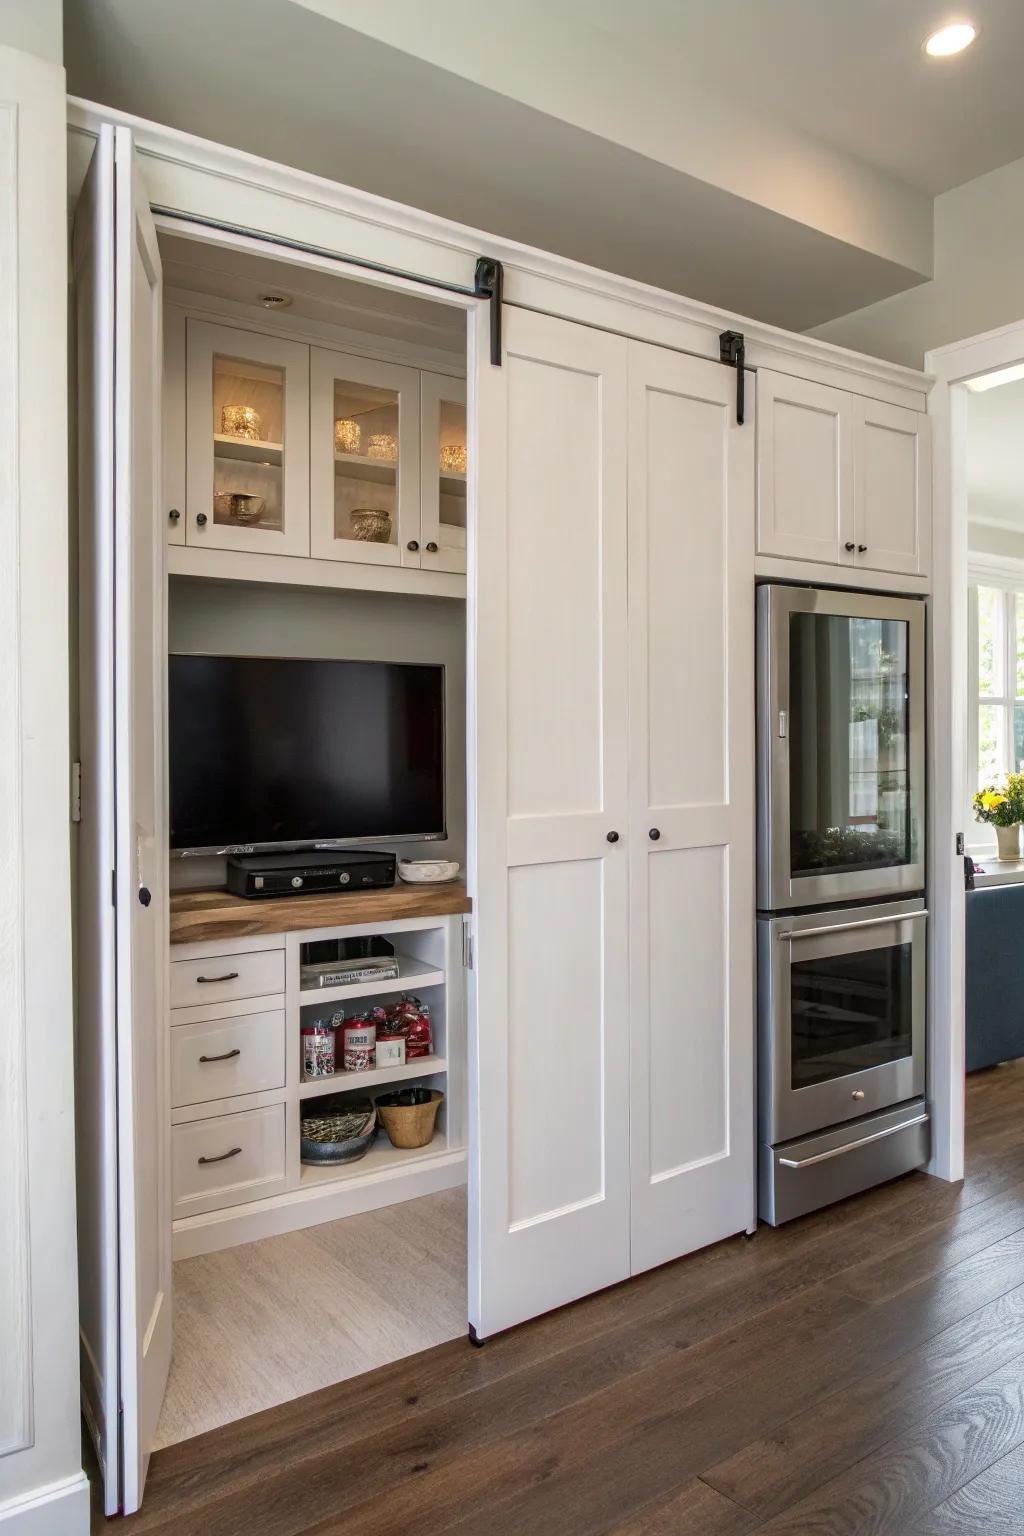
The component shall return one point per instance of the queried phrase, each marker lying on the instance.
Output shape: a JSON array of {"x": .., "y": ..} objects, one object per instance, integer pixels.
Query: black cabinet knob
[
  {"x": 613, "y": 837},
  {"x": 849, "y": 546},
  {"x": 202, "y": 519},
  {"x": 145, "y": 895},
  {"x": 413, "y": 544},
  {"x": 174, "y": 516},
  {"x": 431, "y": 549},
  {"x": 862, "y": 549},
  {"x": 654, "y": 834}
]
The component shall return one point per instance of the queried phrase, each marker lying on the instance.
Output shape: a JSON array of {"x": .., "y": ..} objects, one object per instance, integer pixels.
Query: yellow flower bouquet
[{"x": 1001, "y": 807}]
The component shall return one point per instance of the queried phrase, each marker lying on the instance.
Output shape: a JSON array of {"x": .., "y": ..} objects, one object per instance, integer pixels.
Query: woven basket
[{"x": 409, "y": 1115}]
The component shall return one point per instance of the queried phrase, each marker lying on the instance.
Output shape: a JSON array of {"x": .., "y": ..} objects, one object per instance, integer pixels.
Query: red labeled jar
[{"x": 359, "y": 1038}]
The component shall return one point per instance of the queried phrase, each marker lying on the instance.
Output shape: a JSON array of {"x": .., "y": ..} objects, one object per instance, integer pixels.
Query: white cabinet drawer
[
  {"x": 222, "y": 1057},
  {"x": 220, "y": 978},
  {"x": 228, "y": 1159}
]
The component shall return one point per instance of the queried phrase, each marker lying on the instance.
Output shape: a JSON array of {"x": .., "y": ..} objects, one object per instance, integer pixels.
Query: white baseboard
[{"x": 61, "y": 1509}]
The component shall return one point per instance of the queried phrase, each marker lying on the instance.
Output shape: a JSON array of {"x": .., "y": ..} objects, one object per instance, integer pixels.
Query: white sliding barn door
[
  {"x": 691, "y": 696},
  {"x": 549, "y": 1171},
  {"x": 125, "y": 1217}
]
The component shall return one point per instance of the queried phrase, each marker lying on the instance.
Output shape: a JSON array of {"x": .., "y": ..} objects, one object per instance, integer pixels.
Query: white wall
[
  {"x": 42, "y": 1488},
  {"x": 979, "y": 277},
  {"x": 237, "y": 618}
]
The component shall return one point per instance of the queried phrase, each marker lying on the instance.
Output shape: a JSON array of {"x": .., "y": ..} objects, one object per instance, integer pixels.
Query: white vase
[{"x": 1008, "y": 841}]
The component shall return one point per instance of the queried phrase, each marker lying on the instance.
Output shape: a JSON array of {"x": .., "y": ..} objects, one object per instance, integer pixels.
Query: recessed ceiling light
[
  {"x": 275, "y": 300},
  {"x": 949, "y": 40},
  {"x": 993, "y": 380}
]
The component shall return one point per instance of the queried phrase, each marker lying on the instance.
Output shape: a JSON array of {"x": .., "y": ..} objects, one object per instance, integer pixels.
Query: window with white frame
[{"x": 997, "y": 671}]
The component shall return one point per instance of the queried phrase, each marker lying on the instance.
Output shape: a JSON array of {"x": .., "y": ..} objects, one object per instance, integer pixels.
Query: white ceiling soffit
[
  {"x": 995, "y": 456},
  {"x": 616, "y": 159}
]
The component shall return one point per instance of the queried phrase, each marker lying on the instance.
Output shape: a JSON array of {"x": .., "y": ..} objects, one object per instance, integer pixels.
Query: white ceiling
[
  {"x": 995, "y": 456},
  {"x": 851, "y": 73},
  {"x": 777, "y": 158}
]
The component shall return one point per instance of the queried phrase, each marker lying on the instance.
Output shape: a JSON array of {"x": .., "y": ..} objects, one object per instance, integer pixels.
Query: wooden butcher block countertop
[{"x": 199, "y": 916}]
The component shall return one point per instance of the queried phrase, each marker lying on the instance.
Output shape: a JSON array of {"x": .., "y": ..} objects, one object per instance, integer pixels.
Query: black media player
[{"x": 303, "y": 874}]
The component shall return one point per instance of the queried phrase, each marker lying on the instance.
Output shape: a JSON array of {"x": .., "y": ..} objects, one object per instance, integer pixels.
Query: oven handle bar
[
  {"x": 850, "y": 1146},
  {"x": 865, "y": 922}
]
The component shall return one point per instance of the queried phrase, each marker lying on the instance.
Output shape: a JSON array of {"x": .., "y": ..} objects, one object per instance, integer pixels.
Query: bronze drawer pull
[
  {"x": 224, "y": 1056},
  {"x": 222, "y": 1159},
  {"x": 208, "y": 980}
]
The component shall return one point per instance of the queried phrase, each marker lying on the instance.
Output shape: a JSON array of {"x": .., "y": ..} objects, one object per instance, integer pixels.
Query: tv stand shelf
[{"x": 199, "y": 916}]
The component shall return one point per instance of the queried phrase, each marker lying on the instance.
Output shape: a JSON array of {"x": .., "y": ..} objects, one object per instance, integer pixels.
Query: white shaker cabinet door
[
  {"x": 549, "y": 855},
  {"x": 804, "y": 470},
  {"x": 122, "y": 1057},
  {"x": 892, "y": 488},
  {"x": 691, "y": 645}
]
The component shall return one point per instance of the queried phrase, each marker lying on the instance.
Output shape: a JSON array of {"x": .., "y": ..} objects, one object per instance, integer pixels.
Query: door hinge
[
  {"x": 76, "y": 792},
  {"x": 489, "y": 283},
  {"x": 467, "y": 947},
  {"x": 113, "y": 887},
  {"x": 732, "y": 350},
  {"x": 960, "y": 848}
]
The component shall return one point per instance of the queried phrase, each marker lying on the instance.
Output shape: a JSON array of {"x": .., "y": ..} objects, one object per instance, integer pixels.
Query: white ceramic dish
[{"x": 427, "y": 871}]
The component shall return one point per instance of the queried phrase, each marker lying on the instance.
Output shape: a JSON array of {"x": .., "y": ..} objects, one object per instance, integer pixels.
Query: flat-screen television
[{"x": 274, "y": 753}]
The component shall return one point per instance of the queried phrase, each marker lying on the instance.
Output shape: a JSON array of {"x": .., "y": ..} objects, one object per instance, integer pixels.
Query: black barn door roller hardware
[
  {"x": 490, "y": 279},
  {"x": 733, "y": 351}
]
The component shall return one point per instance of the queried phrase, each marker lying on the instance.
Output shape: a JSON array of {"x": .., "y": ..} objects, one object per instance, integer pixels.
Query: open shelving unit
[
  {"x": 429, "y": 954},
  {"x": 377, "y": 1077},
  {"x": 412, "y": 973},
  {"x": 382, "y": 1158}
]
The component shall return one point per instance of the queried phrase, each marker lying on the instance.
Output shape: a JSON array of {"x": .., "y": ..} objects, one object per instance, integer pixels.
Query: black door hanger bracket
[
  {"x": 733, "y": 351},
  {"x": 490, "y": 280}
]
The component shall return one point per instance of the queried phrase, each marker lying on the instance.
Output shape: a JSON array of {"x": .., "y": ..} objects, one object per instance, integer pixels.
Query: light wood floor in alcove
[{"x": 269, "y": 1321}]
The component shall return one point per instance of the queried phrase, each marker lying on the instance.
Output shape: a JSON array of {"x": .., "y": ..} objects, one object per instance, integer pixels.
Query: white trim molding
[
  {"x": 198, "y": 178},
  {"x": 951, "y": 367},
  {"x": 59, "y": 1509},
  {"x": 15, "y": 1280}
]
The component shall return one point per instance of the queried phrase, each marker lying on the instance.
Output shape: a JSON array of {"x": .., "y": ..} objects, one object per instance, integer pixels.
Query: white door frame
[{"x": 952, "y": 366}]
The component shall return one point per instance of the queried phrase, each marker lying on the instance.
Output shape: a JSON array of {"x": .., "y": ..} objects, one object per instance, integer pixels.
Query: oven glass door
[
  {"x": 844, "y": 1034},
  {"x": 849, "y": 1012}
]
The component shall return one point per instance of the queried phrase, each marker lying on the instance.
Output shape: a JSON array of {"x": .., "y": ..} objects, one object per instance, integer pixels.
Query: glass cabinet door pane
[
  {"x": 849, "y": 744},
  {"x": 364, "y": 464},
  {"x": 452, "y": 467},
  {"x": 367, "y": 435},
  {"x": 246, "y": 440},
  {"x": 248, "y": 444},
  {"x": 444, "y": 472}
]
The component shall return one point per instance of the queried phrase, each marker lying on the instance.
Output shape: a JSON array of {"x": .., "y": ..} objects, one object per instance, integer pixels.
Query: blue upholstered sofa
[{"x": 995, "y": 975}]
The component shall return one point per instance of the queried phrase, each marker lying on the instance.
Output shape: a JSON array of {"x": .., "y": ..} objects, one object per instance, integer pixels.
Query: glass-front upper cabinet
[
  {"x": 247, "y": 441},
  {"x": 444, "y": 469},
  {"x": 364, "y": 460}
]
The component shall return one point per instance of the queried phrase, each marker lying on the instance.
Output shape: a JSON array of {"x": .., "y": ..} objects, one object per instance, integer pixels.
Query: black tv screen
[{"x": 271, "y": 752}]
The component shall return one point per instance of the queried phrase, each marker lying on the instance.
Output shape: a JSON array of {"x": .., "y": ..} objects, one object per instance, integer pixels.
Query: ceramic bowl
[{"x": 427, "y": 871}]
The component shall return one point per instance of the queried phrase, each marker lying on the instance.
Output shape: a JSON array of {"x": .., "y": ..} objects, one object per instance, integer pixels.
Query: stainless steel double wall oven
[{"x": 842, "y": 922}]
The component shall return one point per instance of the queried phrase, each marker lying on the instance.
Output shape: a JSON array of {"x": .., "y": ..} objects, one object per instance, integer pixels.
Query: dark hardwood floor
[{"x": 859, "y": 1371}]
